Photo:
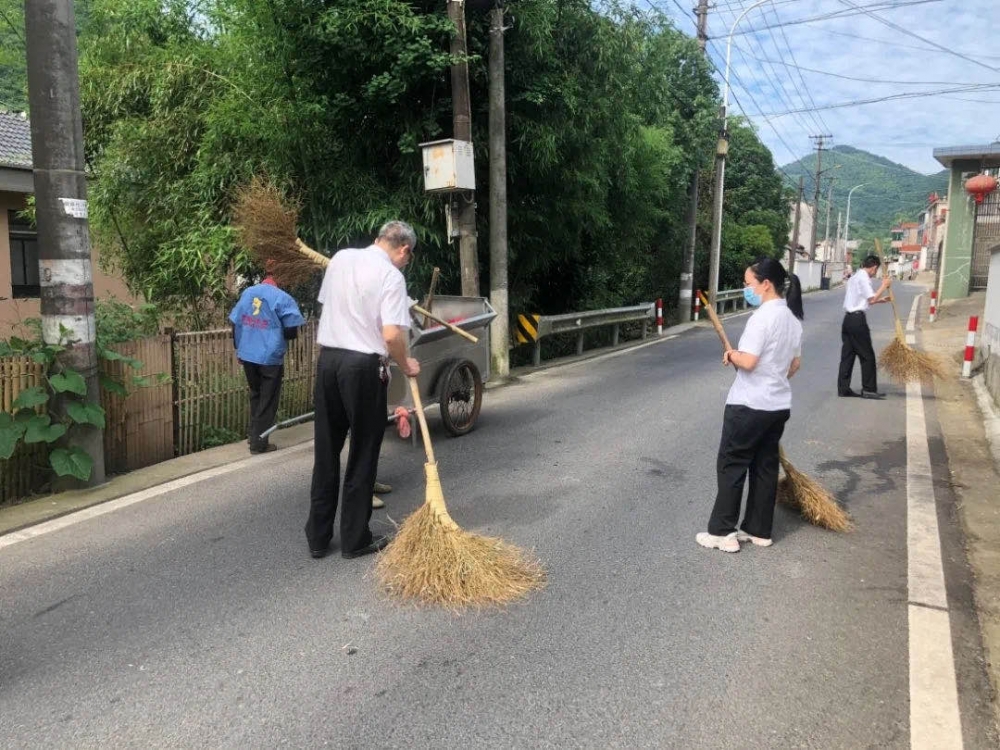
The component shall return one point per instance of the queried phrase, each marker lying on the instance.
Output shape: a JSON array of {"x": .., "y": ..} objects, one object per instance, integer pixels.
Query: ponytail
[
  {"x": 793, "y": 296},
  {"x": 773, "y": 271}
]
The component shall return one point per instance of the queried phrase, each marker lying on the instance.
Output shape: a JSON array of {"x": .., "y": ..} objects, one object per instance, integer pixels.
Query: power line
[
  {"x": 861, "y": 80},
  {"x": 891, "y": 97},
  {"x": 890, "y": 43},
  {"x": 897, "y": 27},
  {"x": 837, "y": 14},
  {"x": 791, "y": 54}
]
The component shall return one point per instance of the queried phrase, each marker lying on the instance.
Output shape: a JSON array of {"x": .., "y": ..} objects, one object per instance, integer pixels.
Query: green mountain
[{"x": 891, "y": 191}]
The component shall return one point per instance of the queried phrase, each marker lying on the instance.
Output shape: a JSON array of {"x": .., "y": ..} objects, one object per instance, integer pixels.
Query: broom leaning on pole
[
  {"x": 795, "y": 489},
  {"x": 904, "y": 363},
  {"x": 431, "y": 559}
]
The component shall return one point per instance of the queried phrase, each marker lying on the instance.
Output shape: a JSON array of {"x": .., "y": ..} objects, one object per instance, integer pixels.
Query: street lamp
[
  {"x": 847, "y": 223},
  {"x": 720, "y": 165}
]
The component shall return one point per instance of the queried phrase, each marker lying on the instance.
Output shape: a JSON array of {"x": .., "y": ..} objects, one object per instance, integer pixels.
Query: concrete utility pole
[
  {"x": 820, "y": 148},
  {"x": 500, "y": 335},
  {"x": 795, "y": 227},
  {"x": 829, "y": 205},
  {"x": 684, "y": 297},
  {"x": 464, "y": 205},
  {"x": 67, "y": 289},
  {"x": 838, "y": 253}
]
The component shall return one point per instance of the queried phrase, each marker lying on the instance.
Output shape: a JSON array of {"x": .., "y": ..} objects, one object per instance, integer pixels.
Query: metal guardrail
[
  {"x": 552, "y": 325},
  {"x": 732, "y": 299}
]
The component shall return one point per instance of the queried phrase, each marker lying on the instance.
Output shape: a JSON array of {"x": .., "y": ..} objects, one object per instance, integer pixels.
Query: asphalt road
[{"x": 197, "y": 618}]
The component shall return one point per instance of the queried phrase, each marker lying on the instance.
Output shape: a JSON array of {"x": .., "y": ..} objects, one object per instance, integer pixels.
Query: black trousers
[
  {"x": 857, "y": 342},
  {"x": 749, "y": 443},
  {"x": 350, "y": 397},
  {"x": 265, "y": 391}
]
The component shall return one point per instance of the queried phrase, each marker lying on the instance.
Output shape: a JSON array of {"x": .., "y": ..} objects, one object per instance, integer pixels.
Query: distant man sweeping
[
  {"x": 854, "y": 332},
  {"x": 264, "y": 320},
  {"x": 364, "y": 322}
]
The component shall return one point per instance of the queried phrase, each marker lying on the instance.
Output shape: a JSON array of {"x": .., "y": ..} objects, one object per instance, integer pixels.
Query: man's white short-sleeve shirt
[
  {"x": 361, "y": 292},
  {"x": 859, "y": 291}
]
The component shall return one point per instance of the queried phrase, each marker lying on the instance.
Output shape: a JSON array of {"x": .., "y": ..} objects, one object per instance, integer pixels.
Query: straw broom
[
  {"x": 904, "y": 363},
  {"x": 266, "y": 225},
  {"x": 433, "y": 561},
  {"x": 796, "y": 489}
]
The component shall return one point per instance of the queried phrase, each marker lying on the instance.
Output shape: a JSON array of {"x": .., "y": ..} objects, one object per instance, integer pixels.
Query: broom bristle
[
  {"x": 814, "y": 503},
  {"x": 906, "y": 364},
  {"x": 266, "y": 225},
  {"x": 434, "y": 563}
]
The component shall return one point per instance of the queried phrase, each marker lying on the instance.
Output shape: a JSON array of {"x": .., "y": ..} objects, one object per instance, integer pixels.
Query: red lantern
[{"x": 980, "y": 186}]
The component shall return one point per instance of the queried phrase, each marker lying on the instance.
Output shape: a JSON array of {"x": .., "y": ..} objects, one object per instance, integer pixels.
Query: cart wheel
[{"x": 461, "y": 397}]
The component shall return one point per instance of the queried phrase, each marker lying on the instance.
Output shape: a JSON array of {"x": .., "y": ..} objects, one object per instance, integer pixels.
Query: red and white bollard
[
  {"x": 659, "y": 317},
  {"x": 970, "y": 347},
  {"x": 933, "y": 310},
  {"x": 697, "y": 303}
]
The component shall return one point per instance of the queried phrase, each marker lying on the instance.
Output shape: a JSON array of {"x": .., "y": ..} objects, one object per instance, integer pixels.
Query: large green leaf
[
  {"x": 83, "y": 413},
  {"x": 73, "y": 462},
  {"x": 113, "y": 386},
  {"x": 69, "y": 381},
  {"x": 40, "y": 430},
  {"x": 10, "y": 432},
  {"x": 30, "y": 398}
]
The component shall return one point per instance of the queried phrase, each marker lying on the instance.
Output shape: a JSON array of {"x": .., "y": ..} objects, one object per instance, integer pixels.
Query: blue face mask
[{"x": 753, "y": 299}]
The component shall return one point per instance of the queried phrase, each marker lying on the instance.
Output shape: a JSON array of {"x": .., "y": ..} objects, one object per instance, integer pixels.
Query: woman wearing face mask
[{"x": 757, "y": 408}]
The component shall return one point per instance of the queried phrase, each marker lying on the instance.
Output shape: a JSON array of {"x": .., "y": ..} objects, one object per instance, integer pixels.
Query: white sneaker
[
  {"x": 377, "y": 502},
  {"x": 742, "y": 536},
  {"x": 726, "y": 543}
]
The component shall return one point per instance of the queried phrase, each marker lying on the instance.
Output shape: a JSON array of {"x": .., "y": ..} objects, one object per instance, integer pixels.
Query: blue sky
[{"x": 905, "y": 130}]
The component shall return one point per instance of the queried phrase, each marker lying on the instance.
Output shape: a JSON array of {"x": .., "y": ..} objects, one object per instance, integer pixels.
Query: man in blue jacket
[{"x": 264, "y": 320}]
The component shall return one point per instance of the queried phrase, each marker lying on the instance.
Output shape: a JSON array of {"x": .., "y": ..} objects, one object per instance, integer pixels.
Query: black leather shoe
[
  {"x": 848, "y": 393},
  {"x": 265, "y": 448},
  {"x": 874, "y": 395},
  {"x": 377, "y": 543},
  {"x": 319, "y": 553}
]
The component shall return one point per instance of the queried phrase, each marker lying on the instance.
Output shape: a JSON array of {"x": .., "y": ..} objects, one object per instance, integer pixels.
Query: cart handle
[{"x": 454, "y": 329}]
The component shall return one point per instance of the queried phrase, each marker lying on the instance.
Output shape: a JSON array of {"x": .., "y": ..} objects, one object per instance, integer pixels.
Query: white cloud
[{"x": 904, "y": 130}]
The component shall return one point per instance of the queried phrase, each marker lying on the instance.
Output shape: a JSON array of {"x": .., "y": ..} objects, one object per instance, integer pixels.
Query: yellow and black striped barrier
[{"x": 526, "y": 330}]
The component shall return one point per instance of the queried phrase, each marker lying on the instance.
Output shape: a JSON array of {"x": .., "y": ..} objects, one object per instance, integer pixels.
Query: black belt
[
  {"x": 352, "y": 353},
  {"x": 855, "y": 312}
]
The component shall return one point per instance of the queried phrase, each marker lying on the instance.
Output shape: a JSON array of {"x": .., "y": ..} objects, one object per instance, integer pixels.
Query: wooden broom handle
[
  {"x": 445, "y": 323},
  {"x": 424, "y": 432},
  {"x": 429, "y": 299},
  {"x": 892, "y": 297},
  {"x": 716, "y": 323},
  {"x": 318, "y": 258}
]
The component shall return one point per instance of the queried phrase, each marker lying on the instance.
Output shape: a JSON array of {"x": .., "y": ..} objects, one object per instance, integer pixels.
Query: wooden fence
[
  {"x": 204, "y": 404},
  {"x": 139, "y": 427},
  {"x": 211, "y": 389},
  {"x": 20, "y": 474}
]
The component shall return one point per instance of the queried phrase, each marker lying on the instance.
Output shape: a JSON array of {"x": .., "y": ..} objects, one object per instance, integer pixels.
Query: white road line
[
  {"x": 935, "y": 721},
  {"x": 94, "y": 511}
]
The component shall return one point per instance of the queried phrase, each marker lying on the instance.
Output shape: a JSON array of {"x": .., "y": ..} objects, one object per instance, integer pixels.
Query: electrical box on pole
[{"x": 449, "y": 166}]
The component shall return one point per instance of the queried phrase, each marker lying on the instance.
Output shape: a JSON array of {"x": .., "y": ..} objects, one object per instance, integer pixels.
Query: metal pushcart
[{"x": 452, "y": 368}]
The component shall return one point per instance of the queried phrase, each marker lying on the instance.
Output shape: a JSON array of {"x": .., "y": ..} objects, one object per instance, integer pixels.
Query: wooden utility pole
[
  {"x": 500, "y": 335},
  {"x": 463, "y": 204},
  {"x": 65, "y": 270},
  {"x": 829, "y": 205},
  {"x": 795, "y": 227},
  {"x": 820, "y": 148}
]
